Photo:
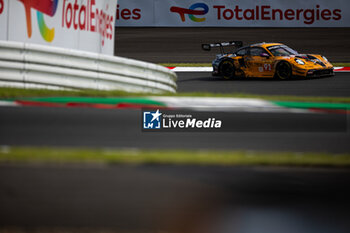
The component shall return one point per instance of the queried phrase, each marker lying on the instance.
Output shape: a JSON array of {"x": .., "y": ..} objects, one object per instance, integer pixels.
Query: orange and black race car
[{"x": 267, "y": 60}]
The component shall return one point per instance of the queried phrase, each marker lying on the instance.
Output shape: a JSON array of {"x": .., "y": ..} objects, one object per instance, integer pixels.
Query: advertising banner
[
  {"x": 78, "y": 24},
  {"x": 233, "y": 13},
  {"x": 3, "y": 19}
]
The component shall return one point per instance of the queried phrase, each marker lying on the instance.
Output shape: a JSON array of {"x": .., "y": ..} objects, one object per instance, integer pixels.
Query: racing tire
[
  {"x": 227, "y": 69},
  {"x": 283, "y": 71}
]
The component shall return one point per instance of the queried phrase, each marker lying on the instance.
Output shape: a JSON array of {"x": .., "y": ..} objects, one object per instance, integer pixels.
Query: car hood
[{"x": 316, "y": 59}]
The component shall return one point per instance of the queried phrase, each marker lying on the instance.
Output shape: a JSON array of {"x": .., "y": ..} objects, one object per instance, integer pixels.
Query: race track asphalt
[
  {"x": 173, "y": 199},
  {"x": 122, "y": 128},
  {"x": 186, "y": 199},
  {"x": 337, "y": 86},
  {"x": 88, "y": 127},
  {"x": 161, "y": 45}
]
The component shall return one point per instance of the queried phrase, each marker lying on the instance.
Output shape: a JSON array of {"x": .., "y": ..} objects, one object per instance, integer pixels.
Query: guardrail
[{"x": 36, "y": 66}]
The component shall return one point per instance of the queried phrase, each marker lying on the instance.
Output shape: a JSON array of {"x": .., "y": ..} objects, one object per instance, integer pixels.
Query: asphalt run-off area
[{"x": 337, "y": 86}]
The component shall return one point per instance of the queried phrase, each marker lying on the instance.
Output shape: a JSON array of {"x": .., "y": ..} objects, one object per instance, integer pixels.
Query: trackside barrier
[{"x": 36, "y": 66}]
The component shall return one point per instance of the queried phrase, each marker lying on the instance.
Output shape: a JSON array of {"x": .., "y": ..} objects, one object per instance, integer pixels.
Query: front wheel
[
  {"x": 283, "y": 70},
  {"x": 227, "y": 69}
]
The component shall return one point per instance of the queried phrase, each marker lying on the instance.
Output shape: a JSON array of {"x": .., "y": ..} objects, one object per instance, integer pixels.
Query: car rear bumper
[{"x": 215, "y": 71}]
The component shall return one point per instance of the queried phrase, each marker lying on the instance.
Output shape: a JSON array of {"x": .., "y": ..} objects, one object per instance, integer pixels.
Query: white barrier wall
[
  {"x": 77, "y": 24},
  {"x": 233, "y": 13},
  {"x": 37, "y": 66}
]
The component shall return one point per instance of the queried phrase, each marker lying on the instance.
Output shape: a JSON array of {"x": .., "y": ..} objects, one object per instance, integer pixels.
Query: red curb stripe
[
  {"x": 38, "y": 104},
  {"x": 342, "y": 69},
  {"x": 87, "y": 105},
  {"x": 127, "y": 105},
  {"x": 323, "y": 110},
  {"x": 111, "y": 106}
]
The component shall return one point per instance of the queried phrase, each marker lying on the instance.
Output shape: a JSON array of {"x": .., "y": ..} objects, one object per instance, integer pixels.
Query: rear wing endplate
[{"x": 221, "y": 45}]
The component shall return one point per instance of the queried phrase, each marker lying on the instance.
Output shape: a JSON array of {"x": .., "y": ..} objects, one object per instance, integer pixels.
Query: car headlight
[
  {"x": 325, "y": 58},
  {"x": 300, "y": 62}
]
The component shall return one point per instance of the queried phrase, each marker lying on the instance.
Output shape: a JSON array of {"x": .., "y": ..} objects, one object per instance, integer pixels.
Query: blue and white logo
[{"x": 151, "y": 120}]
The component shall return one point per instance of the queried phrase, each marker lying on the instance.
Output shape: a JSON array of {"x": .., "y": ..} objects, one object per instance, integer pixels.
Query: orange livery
[{"x": 267, "y": 60}]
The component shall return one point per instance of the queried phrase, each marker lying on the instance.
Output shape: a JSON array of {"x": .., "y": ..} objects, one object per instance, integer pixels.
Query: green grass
[
  {"x": 344, "y": 64},
  {"x": 16, "y": 93},
  {"x": 9, "y": 93},
  {"x": 174, "y": 157},
  {"x": 209, "y": 64}
]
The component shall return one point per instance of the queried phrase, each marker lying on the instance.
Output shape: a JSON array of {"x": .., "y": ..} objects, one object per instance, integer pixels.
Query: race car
[{"x": 267, "y": 60}]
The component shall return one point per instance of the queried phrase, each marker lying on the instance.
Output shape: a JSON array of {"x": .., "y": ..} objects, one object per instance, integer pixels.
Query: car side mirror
[
  {"x": 264, "y": 55},
  {"x": 206, "y": 47}
]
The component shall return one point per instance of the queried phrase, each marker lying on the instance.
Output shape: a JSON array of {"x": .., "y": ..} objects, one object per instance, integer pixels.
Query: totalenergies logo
[
  {"x": 195, "y": 9},
  {"x": 1, "y": 6},
  {"x": 47, "y": 7}
]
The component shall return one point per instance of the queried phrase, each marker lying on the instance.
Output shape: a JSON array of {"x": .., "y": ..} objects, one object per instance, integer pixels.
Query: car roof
[{"x": 263, "y": 45}]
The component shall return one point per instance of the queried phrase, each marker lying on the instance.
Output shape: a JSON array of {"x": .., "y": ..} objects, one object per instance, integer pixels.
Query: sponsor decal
[
  {"x": 195, "y": 9},
  {"x": 267, "y": 67},
  {"x": 87, "y": 18},
  {"x": 1, "y": 6},
  {"x": 228, "y": 13},
  {"x": 47, "y": 7},
  {"x": 78, "y": 17},
  {"x": 268, "y": 13},
  {"x": 127, "y": 14}
]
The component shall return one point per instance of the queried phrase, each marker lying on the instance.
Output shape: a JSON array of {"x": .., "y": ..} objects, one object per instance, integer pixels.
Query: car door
[
  {"x": 259, "y": 62},
  {"x": 240, "y": 54}
]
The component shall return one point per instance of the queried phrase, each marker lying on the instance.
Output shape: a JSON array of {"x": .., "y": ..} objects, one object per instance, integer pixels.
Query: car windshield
[{"x": 282, "y": 50}]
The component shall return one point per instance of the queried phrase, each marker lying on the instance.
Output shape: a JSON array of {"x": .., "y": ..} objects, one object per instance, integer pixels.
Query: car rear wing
[{"x": 221, "y": 45}]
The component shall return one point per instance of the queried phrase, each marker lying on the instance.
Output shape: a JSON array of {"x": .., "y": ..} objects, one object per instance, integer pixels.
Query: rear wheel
[
  {"x": 283, "y": 70},
  {"x": 227, "y": 69}
]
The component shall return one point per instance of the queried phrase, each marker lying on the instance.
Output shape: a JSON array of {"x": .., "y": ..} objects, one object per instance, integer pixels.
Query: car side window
[
  {"x": 256, "y": 51},
  {"x": 241, "y": 52}
]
